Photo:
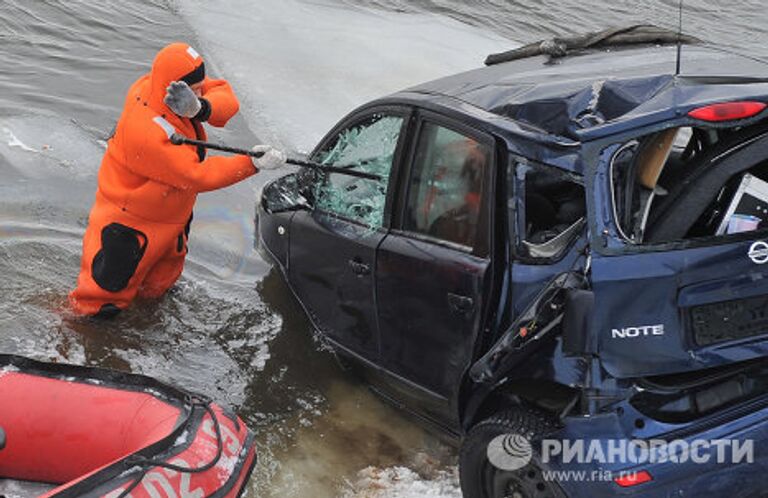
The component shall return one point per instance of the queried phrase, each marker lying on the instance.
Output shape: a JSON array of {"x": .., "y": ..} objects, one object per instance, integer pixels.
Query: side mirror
[
  {"x": 2, "y": 438},
  {"x": 285, "y": 194}
]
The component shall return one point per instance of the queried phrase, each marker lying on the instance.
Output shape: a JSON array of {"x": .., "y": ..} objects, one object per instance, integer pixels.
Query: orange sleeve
[
  {"x": 224, "y": 104},
  {"x": 156, "y": 158}
]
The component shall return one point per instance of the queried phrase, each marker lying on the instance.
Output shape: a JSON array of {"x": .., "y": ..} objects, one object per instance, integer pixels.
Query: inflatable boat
[{"x": 68, "y": 431}]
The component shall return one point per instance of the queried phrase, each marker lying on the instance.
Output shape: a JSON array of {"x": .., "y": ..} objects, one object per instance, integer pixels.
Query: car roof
[{"x": 561, "y": 103}]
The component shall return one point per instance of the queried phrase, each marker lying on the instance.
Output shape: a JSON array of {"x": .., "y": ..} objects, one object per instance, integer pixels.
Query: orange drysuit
[{"x": 136, "y": 239}]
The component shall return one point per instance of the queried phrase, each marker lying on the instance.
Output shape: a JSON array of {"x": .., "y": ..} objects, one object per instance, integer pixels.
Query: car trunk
[{"x": 681, "y": 280}]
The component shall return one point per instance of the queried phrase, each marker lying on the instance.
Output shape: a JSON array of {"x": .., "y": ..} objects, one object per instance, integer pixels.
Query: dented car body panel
[{"x": 569, "y": 291}]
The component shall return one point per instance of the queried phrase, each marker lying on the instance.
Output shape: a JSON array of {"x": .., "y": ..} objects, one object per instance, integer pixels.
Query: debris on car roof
[
  {"x": 639, "y": 34},
  {"x": 597, "y": 94}
]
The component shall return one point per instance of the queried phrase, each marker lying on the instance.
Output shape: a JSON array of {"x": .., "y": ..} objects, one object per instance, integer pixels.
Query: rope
[{"x": 149, "y": 464}]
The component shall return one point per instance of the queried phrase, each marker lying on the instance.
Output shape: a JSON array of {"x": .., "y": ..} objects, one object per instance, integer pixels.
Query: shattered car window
[
  {"x": 678, "y": 184},
  {"x": 285, "y": 194},
  {"x": 554, "y": 210},
  {"x": 368, "y": 147}
]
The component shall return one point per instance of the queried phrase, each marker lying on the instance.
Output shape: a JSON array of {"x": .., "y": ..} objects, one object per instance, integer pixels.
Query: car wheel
[{"x": 510, "y": 432}]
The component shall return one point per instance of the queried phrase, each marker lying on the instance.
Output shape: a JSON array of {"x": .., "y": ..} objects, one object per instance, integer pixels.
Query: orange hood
[{"x": 172, "y": 63}]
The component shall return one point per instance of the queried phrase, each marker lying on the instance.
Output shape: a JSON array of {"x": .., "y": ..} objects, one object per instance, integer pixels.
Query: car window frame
[
  {"x": 625, "y": 244},
  {"x": 420, "y": 118},
  {"x": 517, "y": 183},
  {"x": 597, "y": 154},
  {"x": 403, "y": 111}
]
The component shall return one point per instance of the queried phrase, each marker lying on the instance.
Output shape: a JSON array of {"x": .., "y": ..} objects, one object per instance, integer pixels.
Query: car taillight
[
  {"x": 633, "y": 479},
  {"x": 728, "y": 111}
]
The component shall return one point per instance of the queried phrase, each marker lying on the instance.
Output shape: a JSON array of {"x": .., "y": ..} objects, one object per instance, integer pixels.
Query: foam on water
[
  {"x": 299, "y": 66},
  {"x": 401, "y": 482},
  {"x": 22, "y": 489}
]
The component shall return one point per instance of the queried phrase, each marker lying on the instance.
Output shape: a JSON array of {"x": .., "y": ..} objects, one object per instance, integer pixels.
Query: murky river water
[{"x": 230, "y": 328}]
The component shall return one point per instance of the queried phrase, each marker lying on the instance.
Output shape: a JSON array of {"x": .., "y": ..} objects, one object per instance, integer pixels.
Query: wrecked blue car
[{"x": 566, "y": 249}]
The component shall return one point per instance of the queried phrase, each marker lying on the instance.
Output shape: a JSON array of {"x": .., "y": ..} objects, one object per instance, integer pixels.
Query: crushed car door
[
  {"x": 333, "y": 246},
  {"x": 431, "y": 269},
  {"x": 681, "y": 244}
]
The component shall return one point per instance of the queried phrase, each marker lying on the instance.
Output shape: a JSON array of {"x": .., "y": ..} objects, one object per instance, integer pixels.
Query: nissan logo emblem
[{"x": 758, "y": 252}]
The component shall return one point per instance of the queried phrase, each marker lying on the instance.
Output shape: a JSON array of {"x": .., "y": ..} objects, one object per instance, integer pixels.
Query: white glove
[
  {"x": 181, "y": 99},
  {"x": 272, "y": 158}
]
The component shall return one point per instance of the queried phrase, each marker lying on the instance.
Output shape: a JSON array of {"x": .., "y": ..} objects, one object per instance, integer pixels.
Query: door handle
[
  {"x": 460, "y": 304},
  {"x": 359, "y": 268}
]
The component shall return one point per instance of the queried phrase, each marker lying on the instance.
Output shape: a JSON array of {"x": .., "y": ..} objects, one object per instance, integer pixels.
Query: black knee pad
[{"x": 122, "y": 248}]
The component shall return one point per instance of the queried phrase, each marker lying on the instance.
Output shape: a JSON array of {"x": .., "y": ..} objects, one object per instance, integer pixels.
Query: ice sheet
[
  {"x": 299, "y": 66},
  {"x": 41, "y": 147},
  {"x": 13, "y": 141}
]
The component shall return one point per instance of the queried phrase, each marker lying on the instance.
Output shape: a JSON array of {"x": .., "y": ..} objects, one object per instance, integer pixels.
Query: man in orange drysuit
[{"x": 136, "y": 239}]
